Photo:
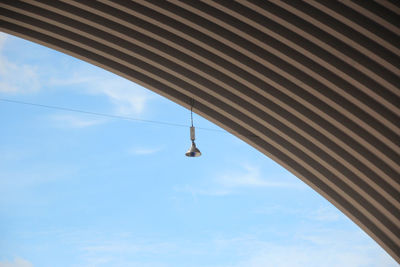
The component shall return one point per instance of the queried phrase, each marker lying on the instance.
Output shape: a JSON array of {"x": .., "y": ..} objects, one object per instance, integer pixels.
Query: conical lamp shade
[{"x": 193, "y": 151}]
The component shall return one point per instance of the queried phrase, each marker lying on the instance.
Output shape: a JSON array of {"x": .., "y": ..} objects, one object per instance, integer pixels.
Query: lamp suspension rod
[{"x": 191, "y": 111}]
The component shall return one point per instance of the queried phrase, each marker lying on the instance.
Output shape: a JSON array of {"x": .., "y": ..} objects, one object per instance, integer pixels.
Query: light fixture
[{"x": 193, "y": 150}]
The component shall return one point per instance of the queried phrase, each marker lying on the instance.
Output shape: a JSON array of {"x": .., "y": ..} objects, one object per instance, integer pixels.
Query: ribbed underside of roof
[{"x": 313, "y": 85}]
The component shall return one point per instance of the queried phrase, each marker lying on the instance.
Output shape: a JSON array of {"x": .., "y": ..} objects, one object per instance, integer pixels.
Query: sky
[{"x": 78, "y": 189}]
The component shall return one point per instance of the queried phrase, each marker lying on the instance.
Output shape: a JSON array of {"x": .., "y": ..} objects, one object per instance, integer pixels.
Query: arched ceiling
[{"x": 313, "y": 85}]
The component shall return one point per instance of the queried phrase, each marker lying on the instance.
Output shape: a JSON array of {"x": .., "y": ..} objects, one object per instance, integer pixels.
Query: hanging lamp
[{"x": 193, "y": 150}]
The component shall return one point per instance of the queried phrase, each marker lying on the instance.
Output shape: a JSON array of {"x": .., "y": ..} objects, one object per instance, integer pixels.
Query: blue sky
[{"x": 85, "y": 190}]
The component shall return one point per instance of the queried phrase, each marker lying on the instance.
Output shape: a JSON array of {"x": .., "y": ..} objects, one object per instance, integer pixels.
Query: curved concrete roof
[{"x": 313, "y": 85}]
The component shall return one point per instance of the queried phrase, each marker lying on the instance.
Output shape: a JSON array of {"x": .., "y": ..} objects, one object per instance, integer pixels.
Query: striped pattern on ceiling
[{"x": 313, "y": 85}]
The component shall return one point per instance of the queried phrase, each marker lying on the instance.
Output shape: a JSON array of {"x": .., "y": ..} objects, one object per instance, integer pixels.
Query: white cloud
[
  {"x": 26, "y": 178},
  {"x": 144, "y": 150},
  {"x": 117, "y": 247},
  {"x": 273, "y": 209},
  {"x": 75, "y": 78},
  {"x": 292, "y": 256},
  {"x": 18, "y": 262},
  {"x": 14, "y": 77},
  {"x": 312, "y": 246},
  {"x": 322, "y": 247},
  {"x": 235, "y": 181},
  {"x": 249, "y": 177},
  {"x": 127, "y": 97},
  {"x": 328, "y": 247},
  {"x": 13, "y": 154},
  {"x": 326, "y": 214},
  {"x": 72, "y": 121},
  {"x": 121, "y": 249},
  {"x": 208, "y": 191}
]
